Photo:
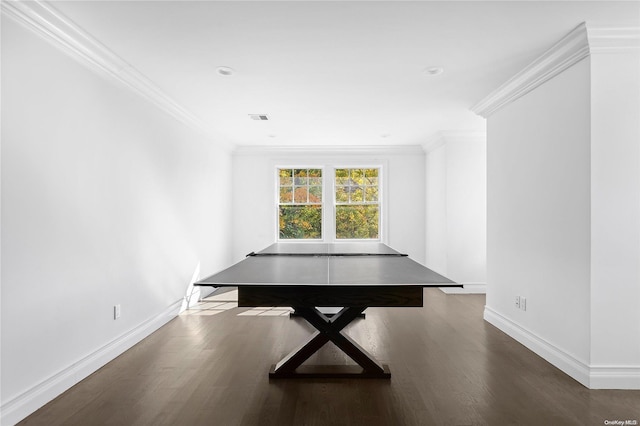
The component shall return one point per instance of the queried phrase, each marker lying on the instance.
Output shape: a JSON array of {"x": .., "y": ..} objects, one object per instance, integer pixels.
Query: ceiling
[{"x": 334, "y": 73}]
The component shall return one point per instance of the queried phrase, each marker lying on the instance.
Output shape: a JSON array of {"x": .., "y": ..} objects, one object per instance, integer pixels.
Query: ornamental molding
[
  {"x": 613, "y": 40},
  {"x": 581, "y": 42},
  {"x": 441, "y": 138},
  {"x": 50, "y": 24},
  {"x": 329, "y": 150}
]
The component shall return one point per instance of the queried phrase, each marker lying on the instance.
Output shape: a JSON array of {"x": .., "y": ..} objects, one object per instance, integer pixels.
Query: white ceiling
[{"x": 335, "y": 73}]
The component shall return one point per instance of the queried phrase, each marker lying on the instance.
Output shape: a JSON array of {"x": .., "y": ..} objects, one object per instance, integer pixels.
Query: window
[
  {"x": 357, "y": 204},
  {"x": 300, "y": 203},
  {"x": 349, "y": 210}
]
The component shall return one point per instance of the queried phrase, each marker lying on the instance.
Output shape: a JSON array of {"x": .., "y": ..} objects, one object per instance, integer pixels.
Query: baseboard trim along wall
[
  {"x": 614, "y": 377},
  {"x": 468, "y": 288},
  {"x": 23, "y": 405},
  {"x": 591, "y": 376}
]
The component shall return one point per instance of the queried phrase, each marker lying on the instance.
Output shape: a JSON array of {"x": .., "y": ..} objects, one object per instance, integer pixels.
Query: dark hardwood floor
[{"x": 448, "y": 367}]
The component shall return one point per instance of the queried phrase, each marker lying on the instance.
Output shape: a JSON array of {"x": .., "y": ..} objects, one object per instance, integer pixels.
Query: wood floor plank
[{"x": 448, "y": 367}]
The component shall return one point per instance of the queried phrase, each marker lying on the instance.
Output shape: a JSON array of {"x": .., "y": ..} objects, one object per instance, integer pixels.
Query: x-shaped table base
[{"x": 329, "y": 331}]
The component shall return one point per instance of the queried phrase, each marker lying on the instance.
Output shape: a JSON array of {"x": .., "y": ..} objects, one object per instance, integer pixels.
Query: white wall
[
  {"x": 538, "y": 211},
  {"x": 254, "y": 185},
  {"x": 436, "y": 210},
  {"x": 456, "y": 208},
  {"x": 564, "y": 211},
  {"x": 105, "y": 200},
  {"x": 615, "y": 211}
]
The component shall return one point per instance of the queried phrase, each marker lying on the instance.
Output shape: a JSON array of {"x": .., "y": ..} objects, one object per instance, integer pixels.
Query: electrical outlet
[
  {"x": 523, "y": 303},
  {"x": 116, "y": 312},
  {"x": 517, "y": 301}
]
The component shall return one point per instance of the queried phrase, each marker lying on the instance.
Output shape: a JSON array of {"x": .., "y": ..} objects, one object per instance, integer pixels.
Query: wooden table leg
[{"x": 329, "y": 330}]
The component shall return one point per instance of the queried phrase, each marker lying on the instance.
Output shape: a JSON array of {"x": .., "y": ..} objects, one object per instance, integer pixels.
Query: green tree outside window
[
  {"x": 356, "y": 198},
  {"x": 300, "y": 203},
  {"x": 357, "y": 203}
]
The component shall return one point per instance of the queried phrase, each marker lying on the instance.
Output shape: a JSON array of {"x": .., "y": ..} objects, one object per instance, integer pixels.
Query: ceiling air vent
[{"x": 259, "y": 117}]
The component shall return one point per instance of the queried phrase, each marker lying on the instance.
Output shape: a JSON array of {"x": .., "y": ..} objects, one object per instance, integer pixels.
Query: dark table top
[{"x": 324, "y": 264}]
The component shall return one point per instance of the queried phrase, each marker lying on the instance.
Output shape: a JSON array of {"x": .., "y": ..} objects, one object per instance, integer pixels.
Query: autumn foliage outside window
[
  {"x": 356, "y": 200},
  {"x": 300, "y": 203},
  {"x": 357, "y": 204}
]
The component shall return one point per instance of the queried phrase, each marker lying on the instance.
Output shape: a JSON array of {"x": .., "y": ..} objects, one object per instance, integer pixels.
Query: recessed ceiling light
[
  {"x": 434, "y": 70},
  {"x": 226, "y": 71}
]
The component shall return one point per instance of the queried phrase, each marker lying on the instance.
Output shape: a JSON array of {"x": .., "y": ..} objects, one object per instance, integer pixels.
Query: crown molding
[
  {"x": 50, "y": 24},
  {"x": 613, "y": 40},
  {"x": 434, "y": 142},
  {"x": 330, "y": 150},
  {"x": 443, "y": 137},
  {"x": 580, "y": 43},
  {"x": 571, "y": 49}
]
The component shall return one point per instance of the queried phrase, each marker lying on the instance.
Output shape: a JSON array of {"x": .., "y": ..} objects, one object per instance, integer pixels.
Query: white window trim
[
  {"x": 277, "y": 203},
  {"x": 380, "y": 202},
  {"x": 329, "y": 201}
]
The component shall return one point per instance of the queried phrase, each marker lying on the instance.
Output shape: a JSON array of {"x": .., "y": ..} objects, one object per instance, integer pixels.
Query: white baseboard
[
  {"x": 556, "y": 356},
  {"x": 23, "y": 405},
  {"x": 591, "y": 376},
  {"x": 614, "y": 377},
  {"x": 468, "y": 288}
]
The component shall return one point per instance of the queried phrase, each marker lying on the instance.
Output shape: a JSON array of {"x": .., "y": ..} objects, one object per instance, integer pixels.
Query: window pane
[
  {"x": 356, "y": 194},
  {"x": 342, "y": 176},
  {"x": 315, "y": 194},
  {"x": 371, "y": 176},
  {"x": 300, "y": 194},
  {"x": 315, "y": 177},
  {"x": 371, "y": 193},
  {"x": 285, "y": 177},
  {"x": 357, "y": 222},
  {"x": 300, "y": 222},
  {"x": 300, "y": 176},
  {"x": 342, "y": 194},
  {"x": 357, "y": 177},
  {"x": 286, "y": 194}
]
